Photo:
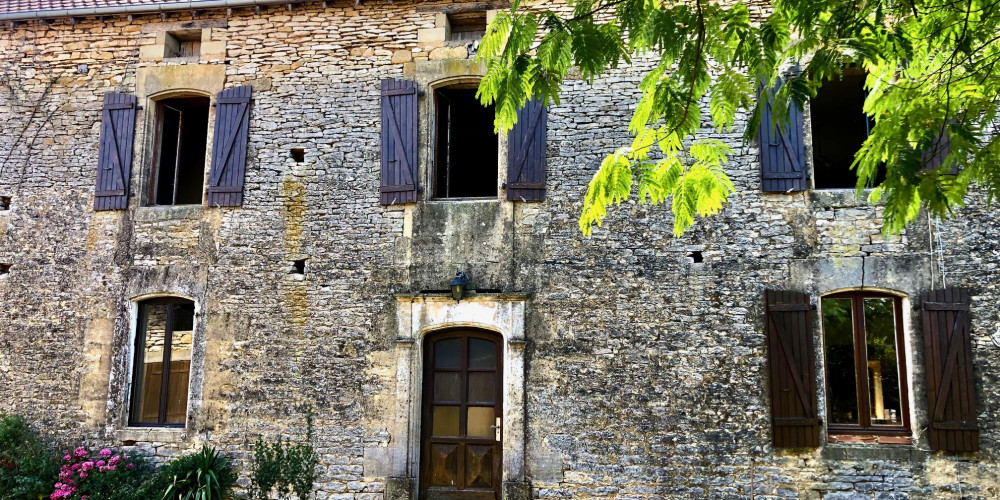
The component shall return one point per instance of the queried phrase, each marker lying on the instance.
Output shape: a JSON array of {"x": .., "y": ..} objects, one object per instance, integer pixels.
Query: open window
[
  {"x": 178, "y": 176},
  {"x": 865, "y": 363},
  {"x": 839, "y": 128},
  {"x": 465, "y": 159},
  {"x": 162, "y": 363}
]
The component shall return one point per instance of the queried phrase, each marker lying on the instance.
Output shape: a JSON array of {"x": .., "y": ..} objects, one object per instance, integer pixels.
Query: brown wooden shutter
[
  {"x": 526, "y": 154},
  {"x": 782, "y": 150},
  {"x": 951, "y": 387},
  {"x": 792, "y": 363},
  {"x": 229, "y": 147},
  {"x": 399, "y": 142},
  {"x": 114, "y": 163}
]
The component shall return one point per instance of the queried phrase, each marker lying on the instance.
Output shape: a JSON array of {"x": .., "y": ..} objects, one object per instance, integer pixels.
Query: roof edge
[{"x": 137, "y": 9}]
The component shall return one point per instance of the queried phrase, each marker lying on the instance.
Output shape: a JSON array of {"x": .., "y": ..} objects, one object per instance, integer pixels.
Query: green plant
[
  {"x": 105, "y": 474},
  {"x": 283, "y": 468},
  {"x": 29, "y": 464},
  {"x": 200, "y": 476},
  {"x": 931, "y": 90}
]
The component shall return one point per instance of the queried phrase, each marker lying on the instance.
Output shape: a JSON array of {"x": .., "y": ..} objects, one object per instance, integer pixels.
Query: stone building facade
[{"x": 634, "y": 364}]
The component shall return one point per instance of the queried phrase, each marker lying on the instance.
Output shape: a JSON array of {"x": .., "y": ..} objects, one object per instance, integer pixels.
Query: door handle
[{"x": 496, "y": 428}]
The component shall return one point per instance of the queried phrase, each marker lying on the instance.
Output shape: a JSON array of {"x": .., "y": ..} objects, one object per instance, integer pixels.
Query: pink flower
[
  {"x": 114, "y": 460},
  {"x": 105, "y": 453},
  {"x": 80, "y": 452},
  {"x": 87, "y": 465},
  {"x": 68, "y": 457},
  {"x": 100, "y": 463},
  {"x": 130, "y": 466},
  {"x": 83, "y": 475}
]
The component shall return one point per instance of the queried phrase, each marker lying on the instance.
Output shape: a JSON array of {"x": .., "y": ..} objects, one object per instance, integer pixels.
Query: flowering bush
[
  {"x": 105, "y": 474},
  {"x": 28, "y": 461}
]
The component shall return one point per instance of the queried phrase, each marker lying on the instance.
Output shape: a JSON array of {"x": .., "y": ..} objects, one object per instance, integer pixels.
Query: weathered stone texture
[{"x": 646, "y": 372}]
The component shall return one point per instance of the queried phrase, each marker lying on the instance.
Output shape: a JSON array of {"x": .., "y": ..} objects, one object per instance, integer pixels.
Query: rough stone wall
[{"x": 645, "y": 371}]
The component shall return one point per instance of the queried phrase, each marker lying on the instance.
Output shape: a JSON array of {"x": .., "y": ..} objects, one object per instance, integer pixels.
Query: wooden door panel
[{"x": 461, "y": 453}]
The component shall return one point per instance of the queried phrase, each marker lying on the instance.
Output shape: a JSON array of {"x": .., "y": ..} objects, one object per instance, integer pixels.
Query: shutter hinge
[{"x": 503, "y": 186}]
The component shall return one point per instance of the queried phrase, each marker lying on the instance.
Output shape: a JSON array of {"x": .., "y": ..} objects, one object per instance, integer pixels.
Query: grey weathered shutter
[
  {"x": 782, "y": 149},
  {"x": 114, "y": 164},
  {"x": 951, "y": 385},
  {"x": 399, "y": 142},
  {"x": 229, "y": 147},
  {"x": 526, "y": 154},
  {"x": 936, "y": 155},
  {"x": 792, "y": 367}
]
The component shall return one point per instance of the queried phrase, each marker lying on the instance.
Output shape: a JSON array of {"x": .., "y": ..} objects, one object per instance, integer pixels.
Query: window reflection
[{"x": 162, "y": 362}]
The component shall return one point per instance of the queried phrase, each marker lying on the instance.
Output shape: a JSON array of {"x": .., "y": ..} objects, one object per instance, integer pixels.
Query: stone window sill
[
  {"x": 151, "y": 435},
  {"x": 839, "y": 198},
  {"x": 169, "y": 212},
  {"x": 869, "y": 439}
]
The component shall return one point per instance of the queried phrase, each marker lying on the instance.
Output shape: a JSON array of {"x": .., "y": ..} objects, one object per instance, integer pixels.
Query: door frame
[{"x": 420, "y": 315}]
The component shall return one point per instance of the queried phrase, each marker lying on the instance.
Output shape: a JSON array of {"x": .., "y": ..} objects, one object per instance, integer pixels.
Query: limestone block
[{"x": 432, "y": 35}]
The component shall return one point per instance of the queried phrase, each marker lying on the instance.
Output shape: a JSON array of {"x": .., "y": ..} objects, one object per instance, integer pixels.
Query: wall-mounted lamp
[{"x": 458, "y": 286}]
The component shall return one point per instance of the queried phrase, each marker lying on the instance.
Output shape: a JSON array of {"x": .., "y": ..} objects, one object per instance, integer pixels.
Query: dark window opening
[
  {"x": 839, "y": 128},
  {"x": 298, "y": 154},
  {"x": 467, "y": 25},
  {"x": 466, "y": 154},
  {"x": 865, "y": 366},
  {"x": 185, "y": 43},
  {"x": 697, "y": 257},
  {"x": 4, "y": 202},
  {"x": 298, "y": 267},
  {"x": 162, "y": 363},
  {"x": 5, "y": 268},
  {"x": 182, "y": 131}
]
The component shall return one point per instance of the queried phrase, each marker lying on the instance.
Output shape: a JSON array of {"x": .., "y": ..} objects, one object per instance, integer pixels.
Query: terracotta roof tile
[{"x": 14, "y": 7}]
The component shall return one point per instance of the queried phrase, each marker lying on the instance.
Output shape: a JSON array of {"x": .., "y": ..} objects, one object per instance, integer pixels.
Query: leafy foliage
[
  {"x": 104, "y": 474},
  {"x": 283, "y": 468},
  {"x": 932, "y": 74},
  {"x": 28, "y": 463},
  {"x": 199, "y": 476}
]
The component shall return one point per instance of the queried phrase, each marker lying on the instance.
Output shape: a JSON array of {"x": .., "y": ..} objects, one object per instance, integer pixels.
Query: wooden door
[{"x": 460, "y": 439}]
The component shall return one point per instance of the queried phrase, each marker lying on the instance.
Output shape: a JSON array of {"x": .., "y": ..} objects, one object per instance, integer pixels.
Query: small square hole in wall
[
  {"x": 696, "y": 257},
  {"x": 298, "y": 154},
  {"x": 5, "y": 269},
  {"x": 4, "y": 203},
  {"x": 298, "y": 267},
  {"x": 186, "y": 43},
  {"x": 467, "y": 25}
]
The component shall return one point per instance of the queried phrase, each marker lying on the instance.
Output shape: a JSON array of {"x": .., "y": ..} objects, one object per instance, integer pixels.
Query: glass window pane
[
  {"x": 481, "y": 422},
  {"x": 482, "y": 354},
  {"x": 838, "y": 336},
  {"x": 149, "y": 366},
  {"x": 448, "y": 354},
  {"x": 180, "y": 362},
  {"x": 445, "y": 421},
  {"x": 447, "y": 386},
  {"x": 482, "y": 387},
  {"x": 883, "y": 373}
]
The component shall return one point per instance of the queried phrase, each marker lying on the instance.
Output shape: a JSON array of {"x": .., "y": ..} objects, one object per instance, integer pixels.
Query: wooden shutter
[
  {"x": 792, "y": 363},
  {"x": 229, "y": 147},
  {"x": 951, "y": 388},
  {"x": 399, "y": 142},
  {"x": 782, "y": 150},
  {"x": 114, "y": 163},
  {"x": 936, "y": 155},
  {"x": 526, "y": 154}
]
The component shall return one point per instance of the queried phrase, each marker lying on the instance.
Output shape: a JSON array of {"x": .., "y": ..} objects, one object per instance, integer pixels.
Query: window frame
[
  {"x": 861, "y": 366},
  {"x": 161, "y": 105},
  {"x": 436, "y": 161},
  {"x": 134, "y": 413}
]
